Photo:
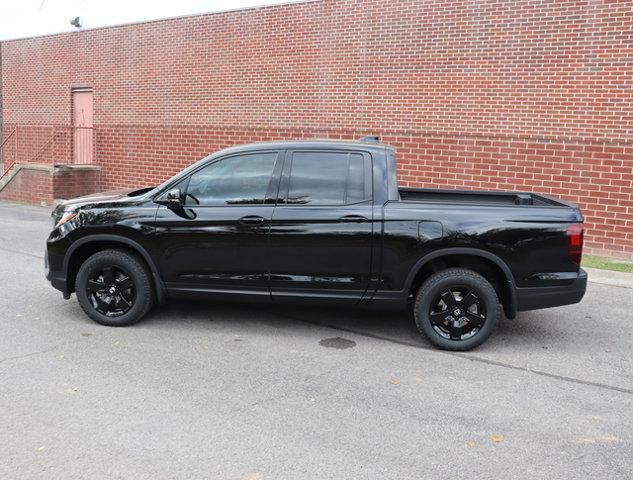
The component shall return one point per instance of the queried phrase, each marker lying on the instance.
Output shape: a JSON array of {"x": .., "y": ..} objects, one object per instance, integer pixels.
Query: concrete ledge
[
  {"x": 609, "y": 277},
  {"x": 41, "y": 183},
  {"x": 33, "y": 166},
  {"x": 90, "y": 167},
  {"x": 16, "y": 168}
]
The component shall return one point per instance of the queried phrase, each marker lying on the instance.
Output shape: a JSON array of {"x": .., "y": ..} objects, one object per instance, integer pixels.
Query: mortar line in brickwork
[{"x": 353, "y": 133}]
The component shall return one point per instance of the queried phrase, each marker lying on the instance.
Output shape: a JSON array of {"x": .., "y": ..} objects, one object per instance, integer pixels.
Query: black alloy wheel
[
  {"x": 114, "y": 287},
  {"x": 111, "y": 291},
  {"x": 457, "y": 313},
  {"x": 456, "y": 309}
]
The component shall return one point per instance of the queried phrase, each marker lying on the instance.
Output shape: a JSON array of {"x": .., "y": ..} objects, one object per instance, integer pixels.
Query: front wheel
[
  {"x": 456, "y": 309},
  {"x": 114, "y": 288}
]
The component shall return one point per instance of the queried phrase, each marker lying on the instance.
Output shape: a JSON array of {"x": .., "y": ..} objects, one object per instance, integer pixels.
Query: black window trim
[
  {"x": 273, "y": 183},
  {"x": 284, "y": 185}
]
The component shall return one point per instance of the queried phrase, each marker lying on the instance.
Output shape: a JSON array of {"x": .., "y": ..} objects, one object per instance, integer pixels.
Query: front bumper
[
  {"x": 534, "y": 298},
  {"x": 57, "y": 278}
]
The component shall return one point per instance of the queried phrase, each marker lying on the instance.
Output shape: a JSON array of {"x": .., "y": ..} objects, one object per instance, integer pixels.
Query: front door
[
  {"x": 322, "y": 227},
  {"x": 83, "y": 139},
  {"x": 217, "y": 242}
]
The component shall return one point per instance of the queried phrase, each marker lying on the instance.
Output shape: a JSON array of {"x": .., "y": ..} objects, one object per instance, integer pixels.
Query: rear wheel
[
  {"x": 456, "y": 309},
  {"x": 114, "y": 288}
]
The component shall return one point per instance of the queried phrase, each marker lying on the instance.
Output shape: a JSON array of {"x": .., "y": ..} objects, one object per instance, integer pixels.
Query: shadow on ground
[{"x": 392, "y": 326}]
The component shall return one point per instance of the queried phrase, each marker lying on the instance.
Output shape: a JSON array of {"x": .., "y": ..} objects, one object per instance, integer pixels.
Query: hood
[
  {"x": 111, "y": 196},
  {"x": 99, "y": 200}
]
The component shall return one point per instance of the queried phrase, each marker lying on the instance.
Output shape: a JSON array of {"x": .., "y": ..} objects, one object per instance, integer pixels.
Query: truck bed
[{"x": 479, "y": 197}]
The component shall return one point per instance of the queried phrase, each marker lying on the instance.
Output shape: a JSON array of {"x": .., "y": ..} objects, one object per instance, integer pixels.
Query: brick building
[{"x": 522, "y": 94}]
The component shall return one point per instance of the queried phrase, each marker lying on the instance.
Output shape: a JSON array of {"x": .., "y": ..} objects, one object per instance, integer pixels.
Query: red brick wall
[
  {"x": 45, "y": 185},
  {"x": 476, "y": 94},
  {"x": 30, "y": 186},
  {"x": 40, "y": 144},
  {"x": 75, "y": 183}
]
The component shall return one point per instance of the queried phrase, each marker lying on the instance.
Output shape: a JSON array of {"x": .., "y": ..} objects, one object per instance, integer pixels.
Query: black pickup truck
[{"x": 319, "y": 221}]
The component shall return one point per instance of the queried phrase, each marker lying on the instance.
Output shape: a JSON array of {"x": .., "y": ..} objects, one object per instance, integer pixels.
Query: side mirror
[{"x": 173, "y": 199}]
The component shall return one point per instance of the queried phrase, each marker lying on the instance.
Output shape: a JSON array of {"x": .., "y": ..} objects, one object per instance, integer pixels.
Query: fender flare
[
  {"x": 510, "y": 307},
  {"x": 138, "y": 248}
]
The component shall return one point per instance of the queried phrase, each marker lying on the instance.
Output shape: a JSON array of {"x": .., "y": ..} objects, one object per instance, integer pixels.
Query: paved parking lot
[{"x": 221, "y": 391}]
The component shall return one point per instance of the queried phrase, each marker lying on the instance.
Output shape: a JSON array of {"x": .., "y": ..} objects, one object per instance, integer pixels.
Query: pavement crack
[
  {"x": 38, "y": 352},
  {"x": 466, "y": 356},
  {"x": 271, "y": 398},
  {"x": 542, "y": 373},
  {"x": 10, "y": 250}
]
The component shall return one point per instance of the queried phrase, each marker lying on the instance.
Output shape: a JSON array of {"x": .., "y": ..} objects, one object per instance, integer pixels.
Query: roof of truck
[{"x": 316, "y": 143}]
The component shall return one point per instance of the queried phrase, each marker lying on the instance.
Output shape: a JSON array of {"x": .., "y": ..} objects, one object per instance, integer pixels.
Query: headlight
[{"x": 65, "y": 218}]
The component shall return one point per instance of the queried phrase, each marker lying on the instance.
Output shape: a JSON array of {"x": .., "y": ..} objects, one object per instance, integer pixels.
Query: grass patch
[{"x": 606, "y": 263}]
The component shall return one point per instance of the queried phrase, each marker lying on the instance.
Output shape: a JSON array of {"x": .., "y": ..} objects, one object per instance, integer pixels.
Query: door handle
[
  {"x": 353, "y": 219},
  {"x": 251, "y": 220}
]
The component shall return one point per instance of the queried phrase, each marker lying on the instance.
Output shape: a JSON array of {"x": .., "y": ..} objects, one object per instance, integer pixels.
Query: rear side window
[
  {"x": 238, "y": 180},
  {"x": 329, "y": 178}
]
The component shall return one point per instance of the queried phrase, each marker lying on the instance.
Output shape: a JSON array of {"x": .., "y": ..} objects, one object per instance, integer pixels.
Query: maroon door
[{"x": 82, "y": 126}]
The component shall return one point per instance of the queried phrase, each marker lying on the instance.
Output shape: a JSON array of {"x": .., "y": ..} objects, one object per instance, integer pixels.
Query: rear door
[{"x": 320, "y": 242}]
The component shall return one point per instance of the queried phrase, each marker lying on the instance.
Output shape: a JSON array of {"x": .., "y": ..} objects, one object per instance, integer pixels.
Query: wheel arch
[
  {"x": 489, "y": 265},
  {"x": 81, "y": 249}
]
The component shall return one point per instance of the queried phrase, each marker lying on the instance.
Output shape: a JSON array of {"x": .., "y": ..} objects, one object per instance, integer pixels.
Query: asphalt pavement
[{"x": 229, "y": 391}]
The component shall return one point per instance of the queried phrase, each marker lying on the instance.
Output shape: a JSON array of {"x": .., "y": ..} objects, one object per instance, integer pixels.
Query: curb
[{"x": 609, "y": 277}]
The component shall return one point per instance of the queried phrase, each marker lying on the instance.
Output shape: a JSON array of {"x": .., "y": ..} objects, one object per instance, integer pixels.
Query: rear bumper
[{"x": 535, "y": 298}]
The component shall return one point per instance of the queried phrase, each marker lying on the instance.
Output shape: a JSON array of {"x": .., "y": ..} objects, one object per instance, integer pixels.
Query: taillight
[{"x": 574, "y": 242}]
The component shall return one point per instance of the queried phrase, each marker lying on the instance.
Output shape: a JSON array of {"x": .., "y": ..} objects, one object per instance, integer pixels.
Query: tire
[
  {"x": 114, "y": 288},
  {"x": 456, "y": 309}
]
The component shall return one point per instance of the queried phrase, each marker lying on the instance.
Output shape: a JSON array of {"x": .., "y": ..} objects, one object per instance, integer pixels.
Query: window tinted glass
[
  {"x": 328, "y": 178},
  {"x": 356, "y": 180},
  {"x": 242, "y": 179}
]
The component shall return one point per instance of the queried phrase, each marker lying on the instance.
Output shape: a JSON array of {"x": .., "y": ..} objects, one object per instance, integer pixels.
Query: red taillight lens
[{"x": 574, "y": 242}]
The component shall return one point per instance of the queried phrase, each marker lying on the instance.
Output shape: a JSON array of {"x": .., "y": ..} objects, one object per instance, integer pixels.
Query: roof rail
[{"x": 370, "y": 138}]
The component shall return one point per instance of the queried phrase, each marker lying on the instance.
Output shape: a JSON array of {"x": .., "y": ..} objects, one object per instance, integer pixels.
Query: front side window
[
  {"x": 238, "y": 180},
  {"x": 329, "y": 178}
]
